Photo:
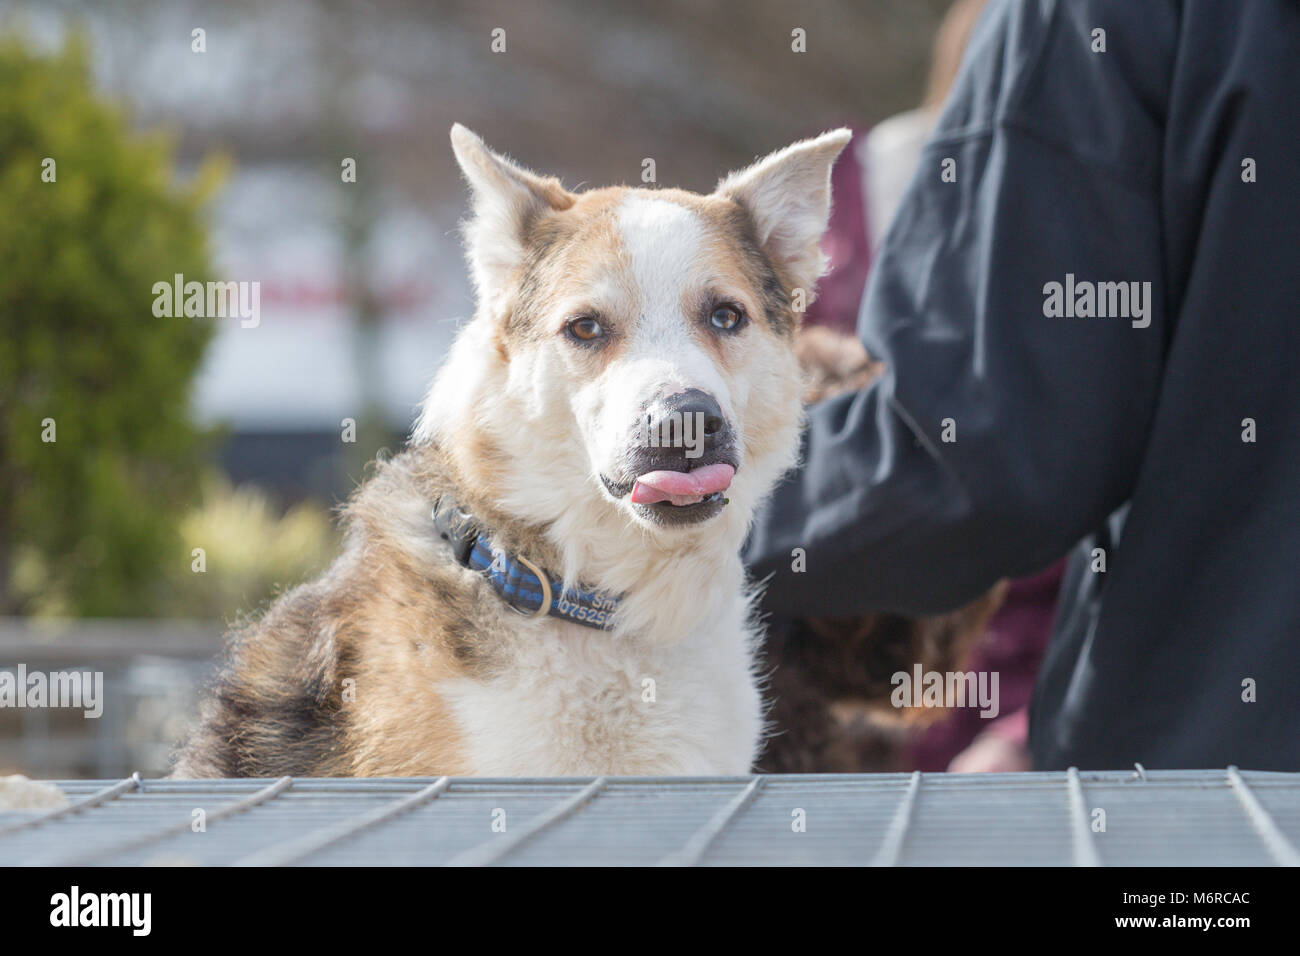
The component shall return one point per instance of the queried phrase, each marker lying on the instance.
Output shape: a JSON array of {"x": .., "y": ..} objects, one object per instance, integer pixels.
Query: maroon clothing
[
  {"x": 1013, "y": 648},
  {"x": 847, "y": 245}
]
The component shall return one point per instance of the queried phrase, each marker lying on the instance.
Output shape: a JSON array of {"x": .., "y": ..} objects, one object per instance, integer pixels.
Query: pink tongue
[{"x": 681, "y": 487}]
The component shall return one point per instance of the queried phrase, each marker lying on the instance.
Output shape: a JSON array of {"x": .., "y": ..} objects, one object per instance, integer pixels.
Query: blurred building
[{"x": 363, "y": 284}]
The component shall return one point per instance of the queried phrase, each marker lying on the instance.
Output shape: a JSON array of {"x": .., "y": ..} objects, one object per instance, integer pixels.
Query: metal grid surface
[{"x": 1177, "y": 817}]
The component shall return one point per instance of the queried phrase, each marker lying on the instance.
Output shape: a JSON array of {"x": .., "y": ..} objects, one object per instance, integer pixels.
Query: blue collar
[{"x": 520, "y": 583}]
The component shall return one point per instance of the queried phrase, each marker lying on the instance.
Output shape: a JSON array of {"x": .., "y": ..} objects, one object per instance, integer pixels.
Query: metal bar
[
  {"x": 291, "y": 851},
  {"x": 493, "y": 850},
  {"x": 697, "y": 820},
  {"x": 694, "y": 849},
  {"x": 95, "y": 799},
  {"x": 1085, "y": 851},
  {"x": 1275, "y": 841},
  {"x": 109, "y": 641},
  {"x": 182, "y": 826},
  {"x": 891, "y": 847}
]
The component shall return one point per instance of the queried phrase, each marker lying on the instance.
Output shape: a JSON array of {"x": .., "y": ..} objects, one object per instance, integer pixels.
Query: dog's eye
[
  {"x": 727, "y": 318},
  {"x": 585, "y": 329}
]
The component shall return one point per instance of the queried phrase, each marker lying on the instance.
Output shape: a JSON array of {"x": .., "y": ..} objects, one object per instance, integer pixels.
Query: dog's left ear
[
  {"x": 788, "y": 196},
  {"x": 507, "y": 202}
]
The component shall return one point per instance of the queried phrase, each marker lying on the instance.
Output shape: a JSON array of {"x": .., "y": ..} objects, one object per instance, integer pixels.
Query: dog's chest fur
[
  {"x": 572, "y": 701},
  {"x": 548, "y": 697}
]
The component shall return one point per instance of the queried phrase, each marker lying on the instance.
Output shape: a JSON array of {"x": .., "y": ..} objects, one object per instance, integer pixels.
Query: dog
[
  {"x": 830, "y": 679},
  {"x": 547, "y": 581}
]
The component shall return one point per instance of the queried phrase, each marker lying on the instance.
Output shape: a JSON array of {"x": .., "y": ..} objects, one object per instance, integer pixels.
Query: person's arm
[
  {"x": 1002, "y": 747},
  {"x": 1056, "y": 154}
]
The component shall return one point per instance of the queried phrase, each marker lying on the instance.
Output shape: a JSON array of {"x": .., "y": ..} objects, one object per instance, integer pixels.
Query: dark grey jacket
[{"x": 1166, "y": 433}]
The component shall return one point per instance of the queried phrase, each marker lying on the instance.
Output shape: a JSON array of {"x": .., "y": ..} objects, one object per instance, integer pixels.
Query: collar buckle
[{"x": 456, "y": 527}]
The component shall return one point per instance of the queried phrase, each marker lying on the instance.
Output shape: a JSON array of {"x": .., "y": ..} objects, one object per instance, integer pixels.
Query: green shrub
[
  {"x": 251, "y": 551},
  {"x": 92, "y": 516}
]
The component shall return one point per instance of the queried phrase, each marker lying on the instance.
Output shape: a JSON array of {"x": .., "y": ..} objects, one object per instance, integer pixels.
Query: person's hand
[{"x": 992, "y": 752}]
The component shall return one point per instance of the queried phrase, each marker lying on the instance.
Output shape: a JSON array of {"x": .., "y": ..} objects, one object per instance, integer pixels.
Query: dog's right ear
[{"x": 507, "y": 200}]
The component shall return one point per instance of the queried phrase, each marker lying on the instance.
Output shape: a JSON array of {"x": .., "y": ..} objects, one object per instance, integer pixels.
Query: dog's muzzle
[{"x": 681, "y": 461}]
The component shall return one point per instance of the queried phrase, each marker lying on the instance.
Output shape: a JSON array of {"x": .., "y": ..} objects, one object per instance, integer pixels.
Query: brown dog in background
[{"x": 829, "y": 678}]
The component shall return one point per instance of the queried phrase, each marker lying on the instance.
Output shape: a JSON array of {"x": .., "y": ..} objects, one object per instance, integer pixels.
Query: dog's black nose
[
  {"x": 686, "y": 424},
  {"x": 700, "y": 406}
]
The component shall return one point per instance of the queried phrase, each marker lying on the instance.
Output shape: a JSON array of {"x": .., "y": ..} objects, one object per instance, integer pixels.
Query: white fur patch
[
  {"x": 577, "y": 702},
  {"x": 662, "y": 242},
  {"x": 20, "y": 793},
  {"x": 663, "y": 249}
]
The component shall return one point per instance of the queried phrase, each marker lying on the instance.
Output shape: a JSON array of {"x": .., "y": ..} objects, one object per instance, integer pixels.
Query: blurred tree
[{"x": 90, "y": 219}]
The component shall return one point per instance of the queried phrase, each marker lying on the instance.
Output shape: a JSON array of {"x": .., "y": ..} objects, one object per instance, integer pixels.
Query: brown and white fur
[{"x": 398, "y": 661}]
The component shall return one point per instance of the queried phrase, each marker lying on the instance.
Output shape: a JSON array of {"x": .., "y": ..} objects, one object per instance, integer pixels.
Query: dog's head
[{"x": 633, "y": 349}]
